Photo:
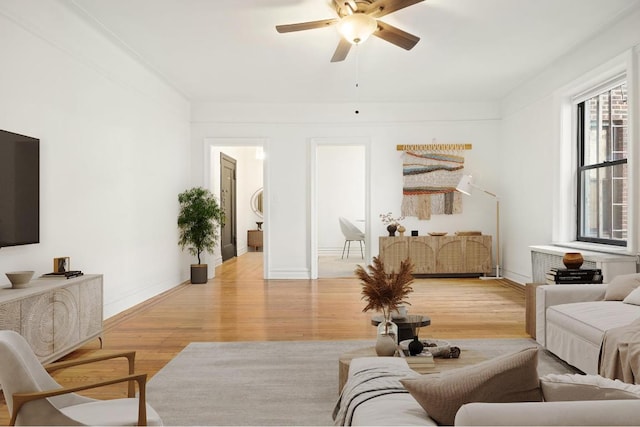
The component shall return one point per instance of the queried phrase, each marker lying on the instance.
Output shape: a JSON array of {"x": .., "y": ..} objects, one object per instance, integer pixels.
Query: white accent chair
[
  {"x": 34, "y": 398},
  {"x": 351, "y": 234}
]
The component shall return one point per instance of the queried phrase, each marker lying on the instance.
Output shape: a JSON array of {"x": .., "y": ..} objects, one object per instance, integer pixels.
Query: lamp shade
[
  {"x": 464, "y": 186},
  {"x": 357, "y": 28}
]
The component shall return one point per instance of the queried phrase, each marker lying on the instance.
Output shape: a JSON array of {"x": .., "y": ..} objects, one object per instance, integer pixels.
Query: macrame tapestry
[{"x": 429, "y": 183}]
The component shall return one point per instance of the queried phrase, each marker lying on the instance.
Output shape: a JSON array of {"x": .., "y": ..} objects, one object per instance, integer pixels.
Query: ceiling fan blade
[
  {"x": 341, "y": 51},
  {"x": 380, "y": 8},
  {"x": 306, "y": 25},
  {"x": 396, "y": 36}
]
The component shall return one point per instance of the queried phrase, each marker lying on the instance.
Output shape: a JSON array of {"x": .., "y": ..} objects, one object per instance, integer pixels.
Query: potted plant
[{"x": 198, "y": 221}]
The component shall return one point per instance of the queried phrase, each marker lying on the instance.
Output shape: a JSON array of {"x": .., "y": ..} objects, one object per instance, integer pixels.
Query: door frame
[
  {"x": 313, "y": 194},
  {"x": 208, "y": 144}
]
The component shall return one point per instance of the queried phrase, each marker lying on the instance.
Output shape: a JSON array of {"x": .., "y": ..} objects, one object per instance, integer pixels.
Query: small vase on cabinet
[{"x": 391, "y": 228}]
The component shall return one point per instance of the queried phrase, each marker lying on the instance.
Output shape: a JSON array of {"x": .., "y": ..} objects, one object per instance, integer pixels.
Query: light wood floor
[{"x": 238, "y": 305}]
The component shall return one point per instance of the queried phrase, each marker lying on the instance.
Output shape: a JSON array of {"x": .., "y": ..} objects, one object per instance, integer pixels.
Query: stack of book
[
  {"x": 566, "y": 276},
  {"x": 65, "y": 274}
]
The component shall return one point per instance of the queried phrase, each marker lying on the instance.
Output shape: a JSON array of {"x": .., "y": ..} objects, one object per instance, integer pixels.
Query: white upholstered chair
[
  {"x": 34, "y": 398},
  {"x": 351, "y": 234}
]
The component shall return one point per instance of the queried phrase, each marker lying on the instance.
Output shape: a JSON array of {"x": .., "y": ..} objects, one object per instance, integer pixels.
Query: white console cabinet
[{"x": 55, "y": 315}]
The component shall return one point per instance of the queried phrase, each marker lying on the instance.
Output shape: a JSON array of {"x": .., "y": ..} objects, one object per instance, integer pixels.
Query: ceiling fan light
[{"x": 357, "y": 28}]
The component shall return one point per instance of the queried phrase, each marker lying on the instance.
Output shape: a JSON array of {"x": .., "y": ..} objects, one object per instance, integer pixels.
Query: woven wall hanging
[{"x": 430, "y": 175}]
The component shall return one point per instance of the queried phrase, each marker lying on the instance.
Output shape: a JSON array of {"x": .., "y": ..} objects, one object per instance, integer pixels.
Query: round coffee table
[{"x": 406, "y": 325}]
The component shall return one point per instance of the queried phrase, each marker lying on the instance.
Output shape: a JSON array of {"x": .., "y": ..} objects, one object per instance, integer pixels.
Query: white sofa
[
  {"x": 571, "y": 320},
  {"x": 403, "y": 409}
]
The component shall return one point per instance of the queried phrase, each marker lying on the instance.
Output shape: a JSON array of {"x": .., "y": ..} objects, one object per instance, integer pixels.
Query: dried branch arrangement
[{"x": 385, "y": 292}]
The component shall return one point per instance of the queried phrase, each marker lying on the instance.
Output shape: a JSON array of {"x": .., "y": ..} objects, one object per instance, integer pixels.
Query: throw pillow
[
  {"x": 633, "y": 297},
  {"x": 621, "y": 286},
  {"x": 508, "y": 378},
  {"x": 563, "y": 387}
]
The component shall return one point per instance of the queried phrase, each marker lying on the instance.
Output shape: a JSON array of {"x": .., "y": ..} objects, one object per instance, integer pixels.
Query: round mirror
[{"x": 256, "y": 202}]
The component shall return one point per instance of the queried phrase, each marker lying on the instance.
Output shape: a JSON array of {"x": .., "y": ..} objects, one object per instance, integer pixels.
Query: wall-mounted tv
[{"x": 19, "y": 189}]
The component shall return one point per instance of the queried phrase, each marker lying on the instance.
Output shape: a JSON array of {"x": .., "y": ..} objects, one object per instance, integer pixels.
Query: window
[{"x": 602, "y": 166}]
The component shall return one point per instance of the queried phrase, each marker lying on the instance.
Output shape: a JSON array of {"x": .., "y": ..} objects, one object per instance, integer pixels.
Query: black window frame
[{"x": 582, "y": 168}]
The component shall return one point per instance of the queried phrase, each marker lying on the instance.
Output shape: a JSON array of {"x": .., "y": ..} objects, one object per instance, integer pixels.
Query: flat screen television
[{"x": 19, "y": 189}]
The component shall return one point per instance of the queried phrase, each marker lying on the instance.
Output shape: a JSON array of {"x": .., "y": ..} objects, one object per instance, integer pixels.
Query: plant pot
[{"x": 199, "y": 273}]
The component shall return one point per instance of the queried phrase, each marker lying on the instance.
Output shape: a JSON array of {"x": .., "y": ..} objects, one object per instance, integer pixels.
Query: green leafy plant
[
  {"x": 385, "y": 292},
  {"x": 198, "y": 221}
]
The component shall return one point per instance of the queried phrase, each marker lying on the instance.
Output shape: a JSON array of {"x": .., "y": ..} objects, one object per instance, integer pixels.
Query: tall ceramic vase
[{"x": 387, "y": 339}]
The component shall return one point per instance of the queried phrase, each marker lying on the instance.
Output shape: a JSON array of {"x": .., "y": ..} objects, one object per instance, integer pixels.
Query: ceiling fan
[{"x": 357, "y": 20}]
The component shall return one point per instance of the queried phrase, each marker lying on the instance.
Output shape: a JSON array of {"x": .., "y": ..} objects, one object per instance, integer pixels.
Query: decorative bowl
[
  {"x": 435, "y": 347},
  {"x": 19, "y": 278},
  {"x": 438, "y": 233}
]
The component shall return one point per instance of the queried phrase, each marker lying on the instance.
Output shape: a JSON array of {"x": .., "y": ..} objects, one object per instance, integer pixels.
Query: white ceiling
[{"x": 229, "y": 50}]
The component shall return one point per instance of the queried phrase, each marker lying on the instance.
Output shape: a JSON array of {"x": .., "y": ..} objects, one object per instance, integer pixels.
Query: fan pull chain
[{"x": 357, "y": 79}]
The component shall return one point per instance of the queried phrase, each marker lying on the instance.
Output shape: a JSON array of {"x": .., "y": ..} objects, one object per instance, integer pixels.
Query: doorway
[
  {"x": 250, "y": 175},
  {"x": 228, "y": 239},
  {"x": 339, "y": 190}
]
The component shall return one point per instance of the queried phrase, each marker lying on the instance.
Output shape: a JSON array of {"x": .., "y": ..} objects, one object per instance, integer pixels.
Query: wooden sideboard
[
  {"x": 54, "y": 315},
  {"x": 254, "y": 239},
  {"x": 438, "y": 255}
]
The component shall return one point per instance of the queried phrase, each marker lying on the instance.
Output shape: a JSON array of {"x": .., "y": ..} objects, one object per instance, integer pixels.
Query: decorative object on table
[
  {"x": 391, "y": 223},
  {"x": 465, "y": 186},
  {"x": 61, "y": 264},
  {"x": 438, "y": 233},
  {"x": 430, "y": 173},
  {"x": 198, "y": 221},
  {"x": 386, "y": 345},
  {"x": 468, "y": 233},
  {"x": 414, "y": 233},
  {"x": 259, "y": 224},
  {"x": 391, "y": 228},
  {"x": 436, "y": 347},
  {"x": 19, "y": 279},
  {"x": 415, "y": 346},
  {"x": 572, "y": 260},
  {"x": 385, "y": 292},
  {"x": 401, "y": 230}
]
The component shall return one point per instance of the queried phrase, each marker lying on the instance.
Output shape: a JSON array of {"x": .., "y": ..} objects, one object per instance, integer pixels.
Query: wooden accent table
[
  {"x": 467, "y": 357},
  {"x": 254, "y": 239},
  {"x": 406, "y": 325}
]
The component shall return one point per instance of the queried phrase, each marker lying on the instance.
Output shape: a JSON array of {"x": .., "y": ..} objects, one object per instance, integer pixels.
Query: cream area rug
[{"x": 274, "y": 383}]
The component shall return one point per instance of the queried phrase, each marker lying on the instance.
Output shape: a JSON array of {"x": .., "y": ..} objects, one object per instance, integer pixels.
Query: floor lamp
[{"x": 465, "y": 186}]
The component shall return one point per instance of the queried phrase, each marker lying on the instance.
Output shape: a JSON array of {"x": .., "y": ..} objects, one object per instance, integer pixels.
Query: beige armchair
[{"x": 34, "y": 398}]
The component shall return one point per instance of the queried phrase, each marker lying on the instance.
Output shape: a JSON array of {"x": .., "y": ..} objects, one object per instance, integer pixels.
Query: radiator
[{"x": 543, "y": 258}]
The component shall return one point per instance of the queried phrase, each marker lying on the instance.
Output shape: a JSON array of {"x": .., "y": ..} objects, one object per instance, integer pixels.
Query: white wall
[
  {"x": 534, "y": 192},
  {"x": 341, "y": 193},
  {"x": 113, "y": 152},
  {"x": 290, "y": 128}
]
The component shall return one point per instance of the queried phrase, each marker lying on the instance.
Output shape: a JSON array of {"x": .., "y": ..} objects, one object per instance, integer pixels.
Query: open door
[{"x": 228, "y": 242}]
